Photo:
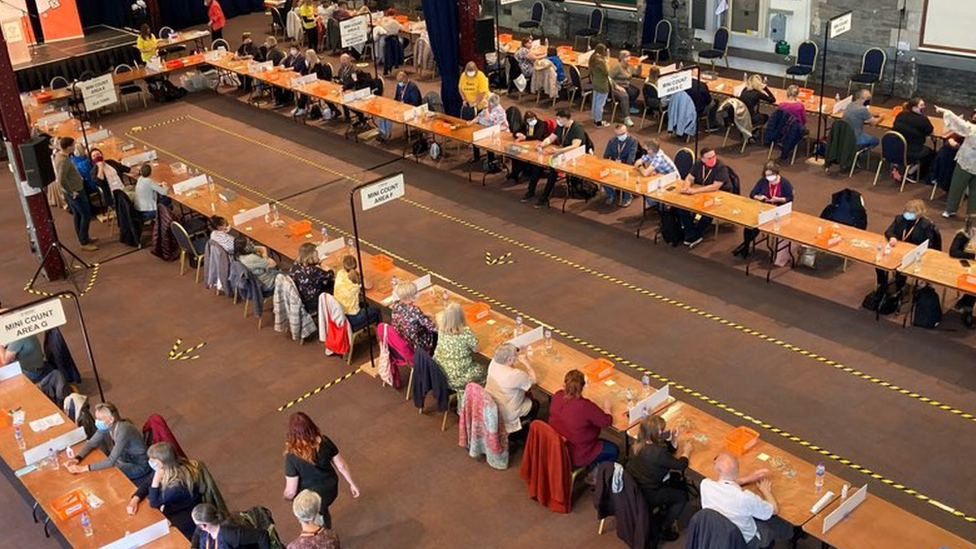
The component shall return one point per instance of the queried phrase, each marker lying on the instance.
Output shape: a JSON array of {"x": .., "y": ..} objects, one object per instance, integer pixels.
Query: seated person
[
  {"x": 705, "y": 104},
  {"x": 793, "y": 106},
  {"x": 569, "y": 135},
  {"x": 247, "y": 48},
  {"x": 456, "y": 346},
  {"x": 654, "y": 162},
  {"x": 29, "y": 352},
  {"x": 406, "y": 92},
  {"x": 311, "y": 280},
  {"x": 510, "y": 385},
  {"x": 773, "y": 189},
  {"x": 220, "y": 235},
  {"x": 416, "y": 328},
  {"x": 913, "y": 227},
  {"x": 175, "y": 488},
  {"x": 214, "y": 530},
  {"x": 525, "y": 58},
  {"x": 657, "y": 467},
  {"x": 258, "y": 261},
  {"x": 532, "y": 129},
  {"x": 296, "y": 62},
  {"x": 350, "y": 80},
  {"x": 553, "y": 56},
  {"x": 708, "y": 174},
  {"x": 857, "y": 115},
  {"x": 622, "y": 147},
  {"x": 348, "y": 289},
  {"x": 147, "y": 192},
  {"x": 493, "y": 115},
  {"x": 621, "y": 85},
  {"x": 128, "y": 447},
  {"x": 313, "y": 65},
  {"x": 753, "y": 515},
  {"x": 107, "y": 174},
  {"x": 580, "y": 421},
  {"x": 274, "y": 52},
  {"x": 961, "y": 247},
  {"x": 757, "y": 92},
  {"x": 916, "y": 128}
]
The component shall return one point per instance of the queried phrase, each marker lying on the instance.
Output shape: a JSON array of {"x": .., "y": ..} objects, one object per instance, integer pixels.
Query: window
[{"x": 747, "y": 17}]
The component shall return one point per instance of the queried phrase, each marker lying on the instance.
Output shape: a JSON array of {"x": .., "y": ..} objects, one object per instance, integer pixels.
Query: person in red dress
[{"x": 217, "y": 19}]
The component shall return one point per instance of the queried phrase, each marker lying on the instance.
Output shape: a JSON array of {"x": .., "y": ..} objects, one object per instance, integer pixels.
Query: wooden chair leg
[
  {"x": 409, "y": 385},
  {"x": 877, "y": 173},
  {"x": 599, "y": 530},
  {"x": 246, "y": 302},
  {"x": 934, "y": 187},
  {"x": 196, "y": 278},
  {"x": 182, "y": 261}
]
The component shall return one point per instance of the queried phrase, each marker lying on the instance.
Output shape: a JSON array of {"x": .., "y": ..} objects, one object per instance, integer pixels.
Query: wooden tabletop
[
  {"x": 877, "y": 524},
  {"x": 181, "y": 37},
  {"x": 939, "y": 268}
]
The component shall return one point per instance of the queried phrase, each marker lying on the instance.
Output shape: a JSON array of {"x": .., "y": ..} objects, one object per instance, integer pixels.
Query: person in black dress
[
  {"x": 757, "y": 92},
  {"x": 217, "y": 531},
  {"x": 175, "y": 488},
  {"x": 658, "y": 469},
  {"x": 311, "y": 461}
]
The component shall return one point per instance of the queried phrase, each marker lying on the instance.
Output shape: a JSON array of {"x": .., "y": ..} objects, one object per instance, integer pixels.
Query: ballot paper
[{"x": 46, "y": 423}]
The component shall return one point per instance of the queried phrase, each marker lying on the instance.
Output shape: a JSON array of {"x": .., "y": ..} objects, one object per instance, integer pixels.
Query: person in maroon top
[{"x": 579, "y": 421}]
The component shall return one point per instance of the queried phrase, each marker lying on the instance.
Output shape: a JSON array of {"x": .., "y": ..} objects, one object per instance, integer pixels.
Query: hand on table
[
  {"x": 77, "y": 469},
  {"x": 892, "y": 241},
  {"x": 687, "y": 190},
  {"x": 766, "y": 487},
  {"x": 759, "y": 197},
  {"x": 133, "y": 506}
]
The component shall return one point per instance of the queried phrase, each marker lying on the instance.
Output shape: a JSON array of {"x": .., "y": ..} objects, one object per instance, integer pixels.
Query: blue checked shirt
[{"x": 660, "y": 162}]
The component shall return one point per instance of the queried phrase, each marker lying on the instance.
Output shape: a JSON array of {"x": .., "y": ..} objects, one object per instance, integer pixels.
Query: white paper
[
  {"x": 357, "y": 95},
  {"x": 10, "y": 370},
  {"x": 41, "y": 451},
  {"x": 649, "y": 405},
  {"x": 770, "y": 215},
  {"x": 326, "y": 248},
  {"x": 100, "y": 135},
  {"x": 661, "y": 181},
  {"x": 142, "y": 537},
  {"x": 909, "y": 258},
  {"x": 528, "y": 338},
  {"x": 213, "y": 56},
  {"x": 845, "y": 508},
  {"x": 46, "y": 423},
  {"x": 140, "y": 158},
  {"x": 822, "y": 502},
  {"x": 248, "y": 215},
  {"x": 190, "y": 184},
  {"x": 485, "y": 133},
  {"x": 565, "y": 157},
  {"x": 842, "y": 104}
]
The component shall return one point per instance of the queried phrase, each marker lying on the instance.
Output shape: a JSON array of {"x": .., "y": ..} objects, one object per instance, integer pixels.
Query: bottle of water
[
  {"x": 21, "y": 443},
  {"x": 325, "y": 234},
  {"x": 548, "y": 335},
  {"x": 52, "y": 456},
  {"x": 837, "y": 97},
  {"x": 819, "y": 481},
  {"x": 350, "y": 243},
  {"x": 274, "y": 212},
  {"x": 776, "y": 223},
  {"x": 86, "y": 524},
  {"x": 918, "y": 263},
  {"x": 887, "y": 248},
  {"x": 630, "y": 397},
  {"x": 518, "y": 325},
  {"x": 445, "y": 297},
  {"x": 877, "y": 256},
  {"x": 646, "y": 385}
]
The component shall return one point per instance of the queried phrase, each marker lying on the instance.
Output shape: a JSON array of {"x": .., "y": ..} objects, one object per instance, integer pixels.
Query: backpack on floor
[
  {"x": 928, "y": 310},
  {"x": 164, "y": 91},
  {"x": 670, "y": 227},
  {"x": 890, "y": 303},
  {"x": 873, "y": 300},
  {"x": 581, "y": 188},
  {"x": 261, "y": 519}
]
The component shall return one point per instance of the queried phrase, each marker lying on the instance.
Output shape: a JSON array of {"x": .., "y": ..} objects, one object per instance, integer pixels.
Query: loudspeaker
[
  {"x": 484, "y": 35},
  {"x": 36, "y": 156}
]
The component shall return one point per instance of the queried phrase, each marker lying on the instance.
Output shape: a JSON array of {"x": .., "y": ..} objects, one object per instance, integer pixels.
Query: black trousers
[
  {"x": 534, "y": 177},
  {"x": 216, "y": 34},
  {"x": 312, "y": 37},
  {"x": 671, "y": 500},
  {"x": 519, "y": 166}
]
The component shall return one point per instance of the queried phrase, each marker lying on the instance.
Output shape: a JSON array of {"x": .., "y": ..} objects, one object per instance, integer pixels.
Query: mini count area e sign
[
  {"x": 382, "y": 192},
  {"x": 31, "y": 321}
]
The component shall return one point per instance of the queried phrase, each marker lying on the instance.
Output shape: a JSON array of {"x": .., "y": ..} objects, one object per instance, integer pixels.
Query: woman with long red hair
[{"x": 311, "y": 461}]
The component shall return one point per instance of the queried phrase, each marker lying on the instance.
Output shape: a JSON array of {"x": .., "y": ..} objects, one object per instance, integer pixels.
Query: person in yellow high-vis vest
[{"x": 306, "y": 11}]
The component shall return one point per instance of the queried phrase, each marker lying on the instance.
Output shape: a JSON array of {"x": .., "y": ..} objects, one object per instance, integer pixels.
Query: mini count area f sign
[
  {"x": 381, "y": 192},
  {"x": 31, "y": 321}
]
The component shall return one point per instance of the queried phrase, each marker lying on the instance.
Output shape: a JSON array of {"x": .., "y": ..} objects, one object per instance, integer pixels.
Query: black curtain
[
  {"x": 180, "y": 14},
  {"x": 442, "y": 26},
  {"x": 653, "y": 12},
  {"x": 104, "y": 12}
]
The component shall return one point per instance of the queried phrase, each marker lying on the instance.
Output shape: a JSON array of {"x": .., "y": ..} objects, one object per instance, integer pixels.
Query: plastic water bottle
[
  {"x": 86, "y": 524},
  {"x": 518, "y": 325},
  {"x": 548, "y": 335},
  {"x": 52, "y": 456},
  {"x": 837, "y": 97},
  {"x": 21, "y": 443},
  {"x": 646, "y": 384},
  {"x": 819, "y": 481},
  {"x": 918, "y": 263},
  {"x": 274, "y": 212},
  {"x": 887, "y": 248},
  {"x": 877, "y": 256},
  {"x": 745, "y": 77},
  {"x": 776, "y": 223},
  {"x": 350, "y": 243},
  {"x": 630, "y": 397},
  {"x": 395, "y": 280},
  {"x": 325, "y": 234},
  {"x": 843, "y": 491}
]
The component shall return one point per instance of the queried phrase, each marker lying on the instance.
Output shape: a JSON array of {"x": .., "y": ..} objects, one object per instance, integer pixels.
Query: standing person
[
  {"x": 306, "y": 11},
  {"x": 964, "y": 176},
  {"x": 311, "y": 461},
  {"x": 307, "y": 508},
  {"x": 128, "y": 447},
  {"x": 146, "y": 43},
  {"x": 74, "y": 192},
  {"x": 217, "y": 21},
  {"x": 600, "y": 79},
  {"x": 456, "y": 346},
  {"x": 654, "y": 463},
  {"x": 707, "y": 175},
  {"x": 473, "y": 86},
  {"x": 624, "y": 91},
  {"x": 580, "y": 421},
  {"x": 622, "y": 147},
  {"x": 569, "y": 135},
  {"x": 175, "y": 488},
  {"x": 214, "y": 530},
  {"x": 773, "y": 189},
  {"x": 857, "y": 115}
]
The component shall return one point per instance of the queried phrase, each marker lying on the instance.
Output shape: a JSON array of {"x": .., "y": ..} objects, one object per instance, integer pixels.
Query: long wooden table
[{"x": 110, "y": 521}]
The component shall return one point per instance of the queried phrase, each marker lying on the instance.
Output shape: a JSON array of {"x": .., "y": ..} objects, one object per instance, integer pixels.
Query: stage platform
[{"x": 99, "y": 51}]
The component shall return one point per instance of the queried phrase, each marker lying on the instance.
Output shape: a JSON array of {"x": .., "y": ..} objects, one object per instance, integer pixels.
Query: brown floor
[{"x": 421, "y": 491}]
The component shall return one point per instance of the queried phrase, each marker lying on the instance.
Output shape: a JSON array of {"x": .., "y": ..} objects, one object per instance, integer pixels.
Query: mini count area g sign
[
  {"x": 31, "y": 321},
  {"x": 381, "y": 192}
]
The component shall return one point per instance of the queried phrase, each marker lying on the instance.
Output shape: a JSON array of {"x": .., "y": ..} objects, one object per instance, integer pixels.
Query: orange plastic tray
[
  {"x": 741, "y": 440},
  {"x": 703, "y": 202},
  {"x": 70, "y": 504},
  {"x": 967, "y": 282},
  {"x": 382, "y": 263},
  {"x": 476, "y": 312},
  {"x": 598, "y": 370},
  {"x": 300, "y": 228}
]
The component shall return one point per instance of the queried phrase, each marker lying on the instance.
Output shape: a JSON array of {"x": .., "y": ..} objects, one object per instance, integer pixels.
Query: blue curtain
[
  {"x": 653, "y": 12},
  {"x": 103, "y": 12},
  {"x": 442, "y": 26}
]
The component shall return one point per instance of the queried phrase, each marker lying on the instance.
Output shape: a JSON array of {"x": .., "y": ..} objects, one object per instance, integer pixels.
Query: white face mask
[
  {"x": 531, "y": 123},
  {"x": 772, "y": 178},
  {"x": 471, "y": 73}
]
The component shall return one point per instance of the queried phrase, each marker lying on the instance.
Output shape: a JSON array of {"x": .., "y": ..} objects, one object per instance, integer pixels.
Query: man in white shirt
[
  {"x": 753, "y": 515},
  {"x": 509, "y": 386}
]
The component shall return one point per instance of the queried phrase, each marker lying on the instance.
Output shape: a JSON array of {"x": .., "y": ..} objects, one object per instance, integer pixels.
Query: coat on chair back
[
  {"x": 164, "y": 244},
  {"x": 546, "y": 468},
  {"x": 709, "y": 529},
  {"x": 480, "y": 430},
  {"x": 628, "y": 506},
  {"x": 216, "y": 268}
]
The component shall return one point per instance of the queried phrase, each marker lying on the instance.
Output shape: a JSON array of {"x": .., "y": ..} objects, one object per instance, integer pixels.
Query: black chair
[
  {"x": 131, "y": 88},
  {"x": 179, "y": 49},
  {"x": 720, "y": 48},
  {"x": 662, "y": 40},
  {"x": 806, "y": 62},
  {"x": 872, "y": 69},
  {"x": 512, "y": 72},
  {"x": 894, "y": 150},
  {"x": 709, "y": 528},
  {"x": 538, "y": 10},
  {"x": 191, "y": 248},
  {"x": 220, "y": 43},
  {"x": 652, "y": 102},
  {"x": 594, "y": 28},
  {"x": 578, "y": 86},
  {"x": 59, "y": 82},
  {"x": 277, "y": 22},
  {"x": 684, "y": 160}
]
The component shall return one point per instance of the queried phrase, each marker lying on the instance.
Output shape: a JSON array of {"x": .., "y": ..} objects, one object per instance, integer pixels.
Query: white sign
[
  {"x": 841, "y": 24},
  {"x": 100, "y": 135},
  {"x": 326, "y": 248},
  {"x": 650, "y": 405},
  {"x": 254, "y": 67},
  {"x": 584, "y": 58},
  {"x": 10, "y": 370},
  {"x": 528, "y": 338},
  {"x": 54, "y": 118},
  {"x": 668, "y": 69},
  {"x": 569, "y": 155},
  {"x": 353, "y": 31},
  {"x": 673, "y": 83},
  {"x": 845, "y": 508},
  {"x": 661, "y": 181},
  {"x": 190, "y": 184},
  {"x": 31, "y": 321},
  {"x": 248, "y": 215},
  {"x": 42, "y": 451},
  {"x": 842, "y": 104},
  {"x": 140, "y": 158},
  {"x": 914, "y": 255},
  {"x": 773, "y": 213},
  {"x": 357, "y": 95},
  {"x": 142, "y": 537},
  {"x": 302, "y": 80},
  {"x": 485, "y": 133},
  {"x": 382, "y": 192},
  {"x": 98, "y": 92},
  {"x": 507, "y": 2}
]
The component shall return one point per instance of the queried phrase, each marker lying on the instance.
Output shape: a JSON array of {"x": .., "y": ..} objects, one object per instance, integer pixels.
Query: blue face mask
[
  {"x": 153, "y": 466},
  {"x": 531, "y": 123},
  {"x": 101, "y": 425},
  {"x": 401, "y": 84},
  {"x": 909, "y": 216},
  {"x": 622, "y": 138}
]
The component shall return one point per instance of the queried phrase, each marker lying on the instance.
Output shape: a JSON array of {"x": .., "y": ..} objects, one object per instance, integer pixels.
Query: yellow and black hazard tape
[
  {"x": 500, "y": 260},
  {"x": 704, "y": 314},
  {"x": 91, "y": 282},
  {"x": 157, "y": 124},
  {"x": 186, "y": 354},
  {"x": 319, "y": 389},
  {"x": 658, "y": 377}
]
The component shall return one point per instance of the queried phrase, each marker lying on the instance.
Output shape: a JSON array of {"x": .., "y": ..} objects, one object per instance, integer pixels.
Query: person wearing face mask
[
  {"x": 916, "y": 128},
  {"x": 493, "y": 115},
  {"x": 569, "y": 135},
  {"x": 175, "y": 488},
  {"x": 87, "y": 170},
  {"x": 707, "y": 175},
  {"x": 406, "y": 92},
  {"x": 473, "y": 86},
  {"x": 961, "y": 248},
  {"x": 857, "y": 115},
  {"x": 964, "y": 176},
  {"x": 773, "y": 189},
  {"x": 107, "y": 175},
  {"x": 622, "y": 147},
  {"x": 945, "y": 160},
  {"x": 216, "y": 530},
  {"x": 296, "y": 62},
  {"x": 624, "y": 91},
  {"x": 532, "y": 129},
  {"x": 913, "y": 227},
  {"x": 128, "y": 447}
]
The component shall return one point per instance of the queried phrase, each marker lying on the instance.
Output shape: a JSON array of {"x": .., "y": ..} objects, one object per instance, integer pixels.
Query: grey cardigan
[{"x": 127, "y": 440}]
